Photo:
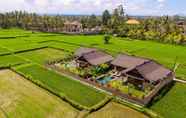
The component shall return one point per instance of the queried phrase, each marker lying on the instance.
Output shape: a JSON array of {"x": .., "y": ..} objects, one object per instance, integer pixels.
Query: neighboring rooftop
[
  {"x": 72, "y": 23},
  {"x": 153, "y": 71},
  {"x": 81, "y": 51},
  {"x": 133, "y": 22},
  {"x": 97, "y": 57},
  {"x": 126, "y": 61}
]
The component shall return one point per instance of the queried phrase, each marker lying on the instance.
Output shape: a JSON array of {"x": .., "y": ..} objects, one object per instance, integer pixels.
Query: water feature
[{"x": 104, "y": 80}]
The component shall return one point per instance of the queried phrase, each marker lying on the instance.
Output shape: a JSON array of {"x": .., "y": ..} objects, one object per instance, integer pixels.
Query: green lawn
[
  {"x": 44, "y": 55},
  {"x": 74, "y": 90},
  {"x": 20, "y": 98},
  {"x": 173, "y": 104}
]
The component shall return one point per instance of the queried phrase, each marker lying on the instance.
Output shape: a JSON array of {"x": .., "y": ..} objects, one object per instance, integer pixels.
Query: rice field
[
  {"x": 71, "y": 89},
  {"x": 20, "y": 98},
  {"x": 115, "y": 110},
  {"x": 41, "y": 56},
  {"x": 173, "y": 104},
  {"x": 38, "y": 48}
]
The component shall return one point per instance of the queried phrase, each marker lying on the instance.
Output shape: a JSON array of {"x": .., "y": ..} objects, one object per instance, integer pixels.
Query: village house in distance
[
  {"x": 133, "y": 78},
  {"x": 75, "y": 27}
]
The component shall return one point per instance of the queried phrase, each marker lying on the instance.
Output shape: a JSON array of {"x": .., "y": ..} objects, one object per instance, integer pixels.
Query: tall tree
[{"x": 106, "y": 17}]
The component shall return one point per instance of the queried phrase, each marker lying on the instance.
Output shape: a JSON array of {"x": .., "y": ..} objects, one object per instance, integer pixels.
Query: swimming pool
[{"x": 104, "y": 80}]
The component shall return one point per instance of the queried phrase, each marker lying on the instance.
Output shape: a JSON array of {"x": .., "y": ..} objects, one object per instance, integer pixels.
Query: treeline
[
  {"x": 163, "y": 29},
  {"x": 45, "y": 23}
]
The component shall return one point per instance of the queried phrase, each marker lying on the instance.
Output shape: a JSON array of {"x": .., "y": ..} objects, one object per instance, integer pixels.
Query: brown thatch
[
  {"x": 126, "y": 61},
  {"x": 81, "y": 51},
  {"x": 97, "y": 58},
  {"x": 133, "y": 22},
  {"x": 153, "y": 71}
]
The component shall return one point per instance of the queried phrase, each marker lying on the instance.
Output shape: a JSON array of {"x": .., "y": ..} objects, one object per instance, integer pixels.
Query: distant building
[
  {"x": 182, "y": 25},
  {"x": 73, "y": 27},
  {"x": 133, "y": 22}
]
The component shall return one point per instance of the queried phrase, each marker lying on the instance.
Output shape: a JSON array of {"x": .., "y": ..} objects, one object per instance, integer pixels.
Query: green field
[
  {"x": 115, "y": 110},
  {"x": 163, "y": 53},
  {"x": 11, "y": 60},
  {"x": 37, "y": 48},
  {"x": 44, "y": 55},
  {"x": 13, "y": 33},
  {"x": 73, "y": 90},
  {"x": 172, "y": 105},
  {"x": 19, "y": 98}
]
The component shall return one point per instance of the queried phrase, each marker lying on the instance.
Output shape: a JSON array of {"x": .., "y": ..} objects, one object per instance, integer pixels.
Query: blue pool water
[{"x": 104, "y": 80}]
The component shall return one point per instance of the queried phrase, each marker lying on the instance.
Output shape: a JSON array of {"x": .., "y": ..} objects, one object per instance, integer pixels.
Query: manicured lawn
[
  {"x": 173, "y": 104},
  {"x": 20, "y": 98},
  {"x": 115, "y": 110},
  {"x": 42, "y": 56},
  {"x": 11, "y": 60},
  {"x": 74, "y": 90}
]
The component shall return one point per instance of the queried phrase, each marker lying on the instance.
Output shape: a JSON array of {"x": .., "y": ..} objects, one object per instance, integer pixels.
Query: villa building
[
  {"x": 133, "y": 78},
  {"x": 182, "y": 25},
  {"x": 142, "y": 72},
  {"x": 73, "y": 27}
]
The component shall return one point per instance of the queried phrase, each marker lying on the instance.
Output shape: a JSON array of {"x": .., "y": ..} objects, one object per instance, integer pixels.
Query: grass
[
  {"x": 20, "y": 98},
  {"x": 115, "y": 110},
  {"x": 74, "y": 90},
  {"x": 172, "y": 105},
  {"x": 11, "y": 60},
  {"x": 43, "y": 55}
]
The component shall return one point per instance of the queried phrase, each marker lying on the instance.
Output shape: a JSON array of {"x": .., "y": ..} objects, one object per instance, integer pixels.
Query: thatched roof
[
  {"x": 126, "y": 61},
  {"x": 97, "y": 58},
  {"x": 81, "y": 51},
  {"x": 153, "y": 71},
  {"x": 149, "y": 69},
  {"x": 72, "y": 23},
  {"x": 133, "y": 22}
]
